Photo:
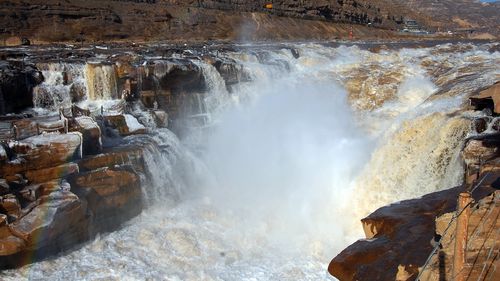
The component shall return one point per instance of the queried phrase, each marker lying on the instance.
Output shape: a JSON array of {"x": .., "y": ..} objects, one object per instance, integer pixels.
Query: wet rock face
[
  {"x": 10, "y": 206},
  {"x": 52, "y": 173},
  {"x": 59, "y": 217},
  {"x": 182, "y": 75},
  {"x": 479, "y": 150},
  {"x": 39, "y": 214},
  {"x": 113, "y": 196},
  {"x": 398, "y": 239},
  {"x": 16, "y": 87},
  {"x": 115, "y": 156},
  {"x": 480, "y": 153},
  {"x": 231, "y": 72},
  {"x": 40, "y": 152},
  {"x": 125, "y": 124},
  {"x": 488, "y": 99},
  {"x": 9, "y": 244},
  {"x": 49, "y": 210},
  {"x": 57, "y": 222},
  {"x": 49, "y": 204},
  {"x": 91, "y": 133}
]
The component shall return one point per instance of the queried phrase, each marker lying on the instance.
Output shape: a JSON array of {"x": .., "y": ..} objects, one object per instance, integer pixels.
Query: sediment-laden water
[{"x": 273, "y": 185}]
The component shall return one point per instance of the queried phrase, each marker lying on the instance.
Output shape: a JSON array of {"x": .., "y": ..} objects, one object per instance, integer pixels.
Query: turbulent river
[{"x": 274, "y": 184}]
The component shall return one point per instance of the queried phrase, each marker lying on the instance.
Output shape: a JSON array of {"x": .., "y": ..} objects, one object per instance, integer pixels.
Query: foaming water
[
  {"x": 287, "y": 161},
  {"x": 217, "y": 95},
  {"x": 289, "y": 164},
  {"x": 64, "y": 84},
  {"x": 85, "y": 84},
  {"x": 419, "y": 157}
]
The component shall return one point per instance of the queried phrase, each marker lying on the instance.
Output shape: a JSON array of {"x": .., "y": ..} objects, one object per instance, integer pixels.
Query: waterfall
[
  {"x": 290, "y": 162},
  {"x": 64, "y": 84},
  {"x": 217, "y": 96},
  {"x": 101, "y": 81},
  {"x": 420, "y": 157},
  {"x": 274, "y": 150},
  {"x": 70, "y": 83},
  {"x": 161, "y": 68},
  {"x": 171, "y": 170}
]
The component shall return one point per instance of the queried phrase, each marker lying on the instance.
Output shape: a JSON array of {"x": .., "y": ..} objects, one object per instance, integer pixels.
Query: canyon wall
[{"x": 187, "y": 20}]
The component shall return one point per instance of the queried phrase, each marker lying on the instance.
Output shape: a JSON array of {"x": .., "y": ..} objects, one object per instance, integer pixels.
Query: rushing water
[{"x": 289, "y": 163}]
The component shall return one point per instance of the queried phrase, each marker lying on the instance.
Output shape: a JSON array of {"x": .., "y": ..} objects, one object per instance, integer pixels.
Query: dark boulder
[
  {"x": 25, "y": 41},
  {"x": 16, "y": 87}
]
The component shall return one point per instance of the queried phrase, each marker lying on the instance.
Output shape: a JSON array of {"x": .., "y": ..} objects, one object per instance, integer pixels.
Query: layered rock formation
[
  {"x": 95, "y": 21},
  {"x": 65, "y": 178},
  {"x": 57, "y": 192},
  {"x": 187, "y": 20},
  {"x": 398, "y": 239}
]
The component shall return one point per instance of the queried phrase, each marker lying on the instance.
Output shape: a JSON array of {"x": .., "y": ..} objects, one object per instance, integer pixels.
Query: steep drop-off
[{"x": 281, "y": 141}]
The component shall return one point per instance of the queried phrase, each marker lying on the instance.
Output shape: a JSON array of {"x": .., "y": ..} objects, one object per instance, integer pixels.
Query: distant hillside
[
  {"x": 200, "y": 20},
  {"x": 454, "y": 14},
  {"x": 146, "y": 20}
]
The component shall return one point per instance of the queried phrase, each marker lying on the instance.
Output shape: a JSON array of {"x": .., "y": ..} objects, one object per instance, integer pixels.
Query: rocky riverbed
[{"x": 92, "y": 136}]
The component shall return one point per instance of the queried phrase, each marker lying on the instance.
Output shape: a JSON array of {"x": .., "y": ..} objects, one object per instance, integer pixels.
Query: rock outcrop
[
  {"x": 60, "y": 189},
  {"x": 488, "y": 99},
  {"x": 481, "y": 243},
  {"x": 58, "y": 221},
  {"x": 16, "y": 86},
  {"x": 113, "y": 196},
  {"x": 480, "y": 151},
  {"x": 458, "y": 16},
  {"x": 40, "y": 152},
  {"x": 52, "y": 223},
  {"x": 399, "y": 238},
  {"x": 91, "y": 133},
  {"x": 126, "y": 124}
]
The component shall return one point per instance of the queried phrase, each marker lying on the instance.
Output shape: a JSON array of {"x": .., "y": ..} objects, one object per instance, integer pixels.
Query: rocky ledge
[
  {"x": 65, "y": 178},
  {"x": 60, "y": 188},
  {"x": 400, "y": 237}
]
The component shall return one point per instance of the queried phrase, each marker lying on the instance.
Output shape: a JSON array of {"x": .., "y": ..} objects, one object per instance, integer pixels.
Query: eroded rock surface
[
  {"x": 42, "y": 151},
  {"x": 92, "y": 20},
  {"x": 91, "y": 133},
  {"x": 49, "y": 204},
  {"x": 113, "y": 195},
  {"x": 398, "y": 239}
]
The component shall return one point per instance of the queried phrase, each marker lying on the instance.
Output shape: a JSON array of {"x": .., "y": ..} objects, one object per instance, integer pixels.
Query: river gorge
[{"x": 248, "y": 162}]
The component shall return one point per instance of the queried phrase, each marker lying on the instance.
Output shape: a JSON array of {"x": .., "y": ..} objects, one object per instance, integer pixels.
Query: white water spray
[
  {"x": 291, "y": 168},
  {"x": 64, "y": 84}
]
